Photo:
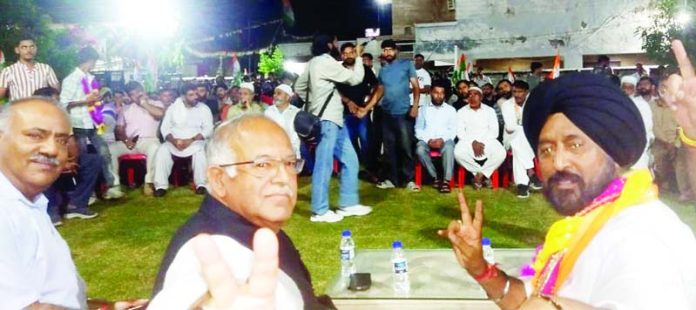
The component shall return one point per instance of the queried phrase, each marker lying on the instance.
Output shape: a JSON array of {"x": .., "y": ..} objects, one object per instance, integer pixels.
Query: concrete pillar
[{"x": 572, "y": 59}]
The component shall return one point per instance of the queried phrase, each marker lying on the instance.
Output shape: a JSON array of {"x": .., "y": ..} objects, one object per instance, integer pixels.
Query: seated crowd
[{"x": 245, "y": 157}]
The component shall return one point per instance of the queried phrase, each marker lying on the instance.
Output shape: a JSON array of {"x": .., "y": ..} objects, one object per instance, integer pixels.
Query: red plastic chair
[
  {"x": 130, "y": 172},
  {"x": 418, "y": 178}
]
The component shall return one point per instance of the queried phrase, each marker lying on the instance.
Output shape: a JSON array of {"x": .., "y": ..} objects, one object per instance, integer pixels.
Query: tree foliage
[
  {"x": 55, "y": 46},
  {"x": 271, "y": 62},
  {"x": 665, "y": 27}
]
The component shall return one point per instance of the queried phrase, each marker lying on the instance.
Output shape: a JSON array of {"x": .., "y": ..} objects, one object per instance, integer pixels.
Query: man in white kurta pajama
[
  {"x": 186, "y": 126},
  {"x": 477, "y": 130}
]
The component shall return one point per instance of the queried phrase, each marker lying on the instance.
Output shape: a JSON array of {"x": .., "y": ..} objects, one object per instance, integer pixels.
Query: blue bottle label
[{"x": 400, "y": 266}]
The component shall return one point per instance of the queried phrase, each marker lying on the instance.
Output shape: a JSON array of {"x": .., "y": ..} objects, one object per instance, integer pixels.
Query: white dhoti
[
  {"x": 493, "y": 153},
  {"x": 522, "y": 157},
  {"x": 147, "y": 146},
  {"x": 164, "y": 163}
]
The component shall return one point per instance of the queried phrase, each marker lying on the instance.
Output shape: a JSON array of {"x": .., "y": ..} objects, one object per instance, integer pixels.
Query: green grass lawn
[{"x": 118, "y": 253}]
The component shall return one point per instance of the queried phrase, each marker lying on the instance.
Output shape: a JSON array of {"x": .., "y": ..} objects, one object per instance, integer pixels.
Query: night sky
[{"x": 348, "y": 19}]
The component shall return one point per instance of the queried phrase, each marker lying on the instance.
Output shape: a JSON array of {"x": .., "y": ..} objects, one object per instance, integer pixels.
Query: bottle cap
[
  {"x": 396, "y": 244},
  {"x": 346, "y": 233},
  {"x": 485, "y": 241}
]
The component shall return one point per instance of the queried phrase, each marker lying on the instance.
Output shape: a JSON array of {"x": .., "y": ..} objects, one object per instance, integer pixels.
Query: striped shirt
[{"x": 22, "y": 81}]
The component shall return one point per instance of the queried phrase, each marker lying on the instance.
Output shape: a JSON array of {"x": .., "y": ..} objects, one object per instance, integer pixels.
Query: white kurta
[
  {"x": 286, "y": 119},
  {"x": 478, "y": 125},
  {"x": 515, "y": 139},
  {"x": 644, "y": 258},
  {"x": 646, "y": 113},
  {"x": 184, "y": 284}
]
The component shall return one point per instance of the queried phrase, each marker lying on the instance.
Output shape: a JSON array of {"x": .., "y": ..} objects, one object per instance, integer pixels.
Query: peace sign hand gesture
[
  {"x": 465, "y": 236},
  {"x": 680, "y": 94}
]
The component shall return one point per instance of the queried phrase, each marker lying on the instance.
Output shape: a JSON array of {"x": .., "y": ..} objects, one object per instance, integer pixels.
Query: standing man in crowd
[
  {"x": 26, "y": 75},
  {"x": 478, "y": 150},
  {"x": 283, "y": 113},
  {"x": 436, "y": 128},
  {"x": 320, "y": 79},
  {"x": 462, "y": 88},
  {"x": 424, "y": 79},
  {"x": 397, "y": 76},
  {"x": 488, "y": 95},
  {"x": 536, "y": 74},
  {"x": 186, "y": 126},
  {"x": 644, "y": 90},
  {"x": 479, "y": 78},
  {"x": 515, "y": 140},
  {"x": 77, "y": 103},
  {"x": 167, "y": 97},
  {"x": 358, "y": 100},
  {"x": 136, "y": 130},
  {"x": 203, "y": 93}
]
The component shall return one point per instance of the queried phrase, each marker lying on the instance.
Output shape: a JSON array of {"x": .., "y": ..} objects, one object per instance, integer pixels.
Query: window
[{"x": 451, "y": 4}]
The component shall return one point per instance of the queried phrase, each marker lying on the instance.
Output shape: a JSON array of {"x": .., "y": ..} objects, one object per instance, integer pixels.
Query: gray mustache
[{"x": 45, "y": 160}]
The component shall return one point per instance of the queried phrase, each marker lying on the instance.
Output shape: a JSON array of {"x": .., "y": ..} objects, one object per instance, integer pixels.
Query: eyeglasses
[{"x": 266, "y": 167}]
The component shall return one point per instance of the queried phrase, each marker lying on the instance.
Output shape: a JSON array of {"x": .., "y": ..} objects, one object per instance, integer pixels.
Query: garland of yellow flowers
[{"x": 567, "y": 238}]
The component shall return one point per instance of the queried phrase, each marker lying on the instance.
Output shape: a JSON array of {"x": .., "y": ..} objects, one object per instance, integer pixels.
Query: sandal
[{"x": 445, "y": 187}]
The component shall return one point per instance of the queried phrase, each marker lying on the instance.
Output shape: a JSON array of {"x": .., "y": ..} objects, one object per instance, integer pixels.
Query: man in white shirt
[
  {"x": 424, "y": 79},
  {"x": 479, "y": 78},
  {"x": 283, "y": 113},
  {"x": 617, "y": 246},
  {"x": 136, "y": 130},
  {"x": 187, "y": 124},
  {"x": 35, "y": 265},
  {"x": 478, "y": 149},
  {"x": 515, "y": 140},
  {"x": 436, "y": 128},
  {"x": 77, "y": 97},
  {"x": 642, "y": 98}
]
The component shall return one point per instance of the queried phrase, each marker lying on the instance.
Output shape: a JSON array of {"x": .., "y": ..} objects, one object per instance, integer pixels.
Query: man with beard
[
  {"x": 503, "y": 93},
  {"x": 462, "y": 88},
  {"x": 488, "y": 95},
  {"x": 318, "y": 84},
  {"x": 436, "y": 128},
  {"x": 424, "y": 79},
  {"x": 246, "y": 102},
  {"x": 399, "y": 78},
  {"x": 478, "y": 150},
  {"x": 203, "y": 96},
  {"x": 186, "y": 126},
  {"x": 617, "y": 246},
  {"x": 167, "y": 97},
  {"x": 283, "y": 113},
  {"x": 514, "y": 139},
  {"x": 359, "y": 101},
  {"x": 642, "y": 98}
]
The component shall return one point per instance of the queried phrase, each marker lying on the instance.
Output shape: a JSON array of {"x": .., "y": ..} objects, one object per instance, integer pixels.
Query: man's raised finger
[
  {"x": 264, "y": 273},
  {"x": 218, "y": 276},
  {"x": 687, "y": 70},
  {"x": 478, "y": 216},
  {"x": 464, "y": 208}
]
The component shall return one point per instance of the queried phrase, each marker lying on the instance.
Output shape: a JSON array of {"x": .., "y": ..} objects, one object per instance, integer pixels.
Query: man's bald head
[{"x": 33, "y": 143}]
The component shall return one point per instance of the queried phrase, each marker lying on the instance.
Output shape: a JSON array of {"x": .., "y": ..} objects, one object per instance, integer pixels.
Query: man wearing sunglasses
[{"x": 252, "y": 174}]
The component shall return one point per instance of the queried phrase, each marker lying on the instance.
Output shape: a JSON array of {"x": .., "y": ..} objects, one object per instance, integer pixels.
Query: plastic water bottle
[
  {"x": 400, "y": 268},
  {"x": 347, "y": 248},
  {"x": 488, "y": 251}
]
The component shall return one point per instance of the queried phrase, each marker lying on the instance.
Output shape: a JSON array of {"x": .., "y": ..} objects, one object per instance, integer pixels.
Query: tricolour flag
[{"x": 556, "y": 71}]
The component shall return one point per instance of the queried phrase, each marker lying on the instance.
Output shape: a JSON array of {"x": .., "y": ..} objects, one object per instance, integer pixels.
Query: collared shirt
[
  {"x": 396, "y": 78},
  {"x": 138, "y": 121},
  {"x": 512, "y": 115},
  {"x": 35, "y": 262},
  {"x": 23, "y": 81},
  {"x": 319, "y": 80},
  {"x": 664, "y": 124},
  {"x": 286, "y": 119},
  {"x": 643, "y": 258},
  {"x": 237, "y": 110},
  {"x": 72, "y": 91},
  {"x": 436, "y": 122},
  {"x": 477, "y": 125},
  {"x": 197, "y": 120},
  {"x": 423, "y": 81}
]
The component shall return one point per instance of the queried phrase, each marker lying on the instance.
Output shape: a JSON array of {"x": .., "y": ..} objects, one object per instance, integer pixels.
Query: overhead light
[
  {"x": 683, "y": 18},
  {"x": 150, "y": 18},
  {"x": 384, "y": 2}
]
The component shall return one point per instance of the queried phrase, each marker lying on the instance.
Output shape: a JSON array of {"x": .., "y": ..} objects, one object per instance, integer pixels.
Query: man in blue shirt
[{"x": 399, "y": 116}]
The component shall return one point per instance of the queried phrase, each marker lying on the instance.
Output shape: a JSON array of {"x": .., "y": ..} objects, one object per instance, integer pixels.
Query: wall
[
  {"x": 407, "y": 13},
  {"x": 500, "y": 29}
]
